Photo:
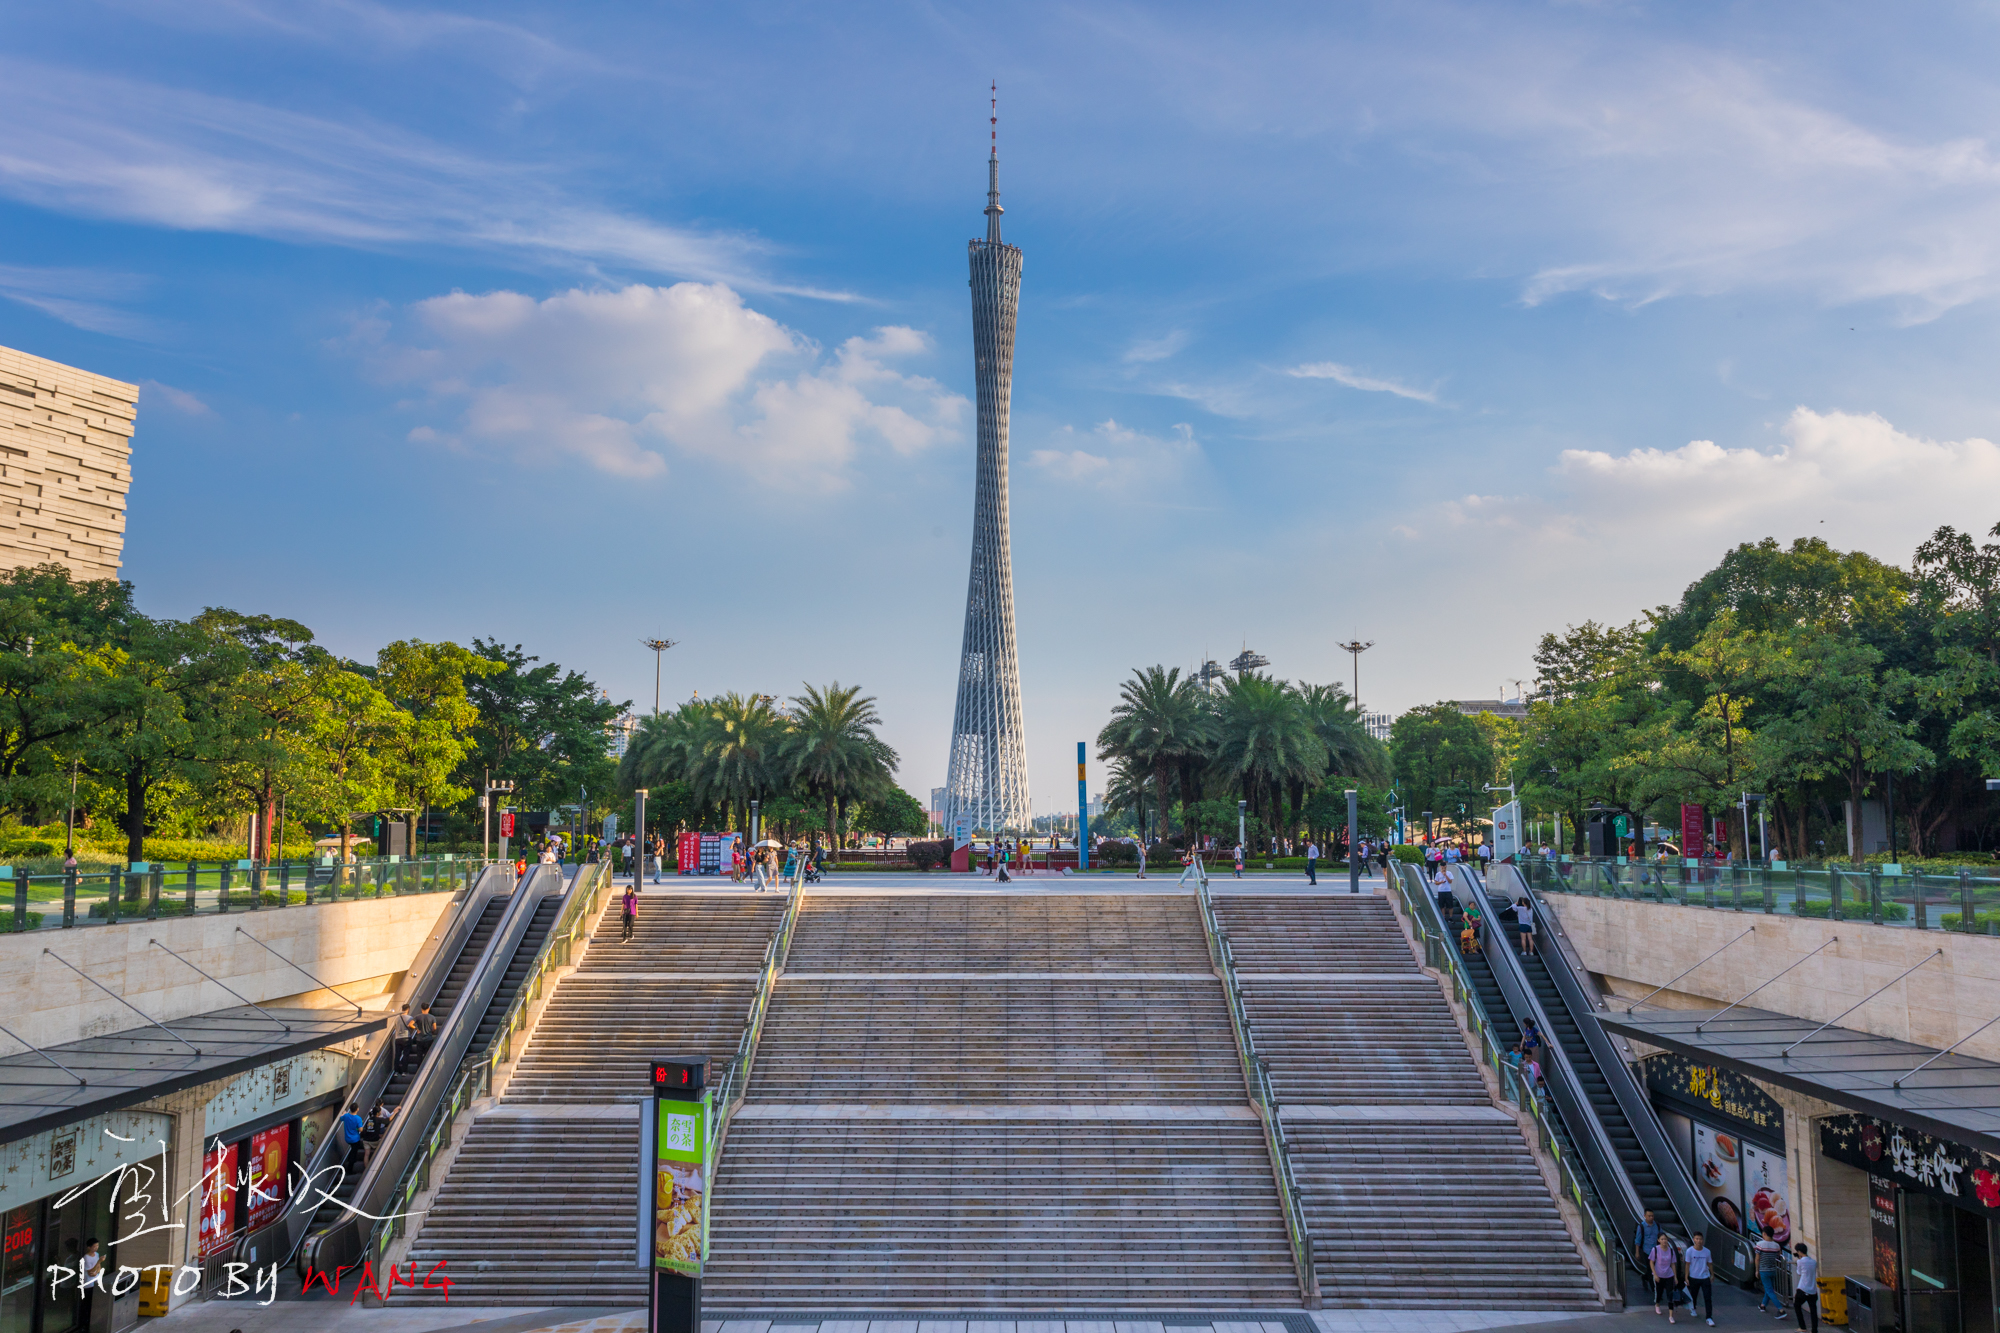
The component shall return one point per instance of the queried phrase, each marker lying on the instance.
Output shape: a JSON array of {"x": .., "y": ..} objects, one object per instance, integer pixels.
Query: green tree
[
  {"x": 546, "y": 728},
  {"x": 1442, "y": 760},
  {"x": 831, "y": 751},
  {"x": 1160, "y": 725},
  {"x": 428, "y": 683},
  {"x": 1266, "y": 744}
]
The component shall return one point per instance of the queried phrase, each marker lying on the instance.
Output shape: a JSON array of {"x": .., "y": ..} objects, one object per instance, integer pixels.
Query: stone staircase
[
  {"x": 540, "y": 1206},
  {"x": 1418, "y": 1190},
  {"x": 979, "y": 1101}
]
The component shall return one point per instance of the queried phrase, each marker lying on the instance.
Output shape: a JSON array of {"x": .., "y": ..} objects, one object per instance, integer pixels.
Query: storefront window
[
  {"x": 17, "y": 1268},
  {"x": 1930, "y": 1258}
]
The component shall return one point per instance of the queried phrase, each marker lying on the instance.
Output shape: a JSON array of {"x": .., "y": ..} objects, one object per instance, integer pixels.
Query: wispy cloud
[
  {"x": 180, "y": 400},
  {"x": 87, "y": 298},
  {"x": 1118, "y": 457},
  {"x": 142, "y": 152},
  {"x": 1156, "y": 349},
  {"x": 1354, "y": 379}
]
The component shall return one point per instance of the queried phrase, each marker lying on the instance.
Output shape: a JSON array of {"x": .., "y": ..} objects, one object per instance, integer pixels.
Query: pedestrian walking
[
  {"x": 1770, "y": 1269},
  {"x": 1002, "y": 851},
  {"x": 1805, "y": 1288},
  {"x": 1662, "y": 1264},
  {"x": 1643, "y": 1236},
  {"x": 1312, "y": 863},
  {"x": 1239, "y": 860},
  {"x": 1700, "y": 1274},
  {"x": 89, "y": 1278},
  {"x": 1524, "y": 915},
  {"x": 1142, "y": 858},
  {"x": 628, "y": 913},
  {"x": 1188, "y": 870}
]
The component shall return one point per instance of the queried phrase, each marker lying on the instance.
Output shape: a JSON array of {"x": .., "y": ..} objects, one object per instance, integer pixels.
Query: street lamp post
[
  {"x": 1353, "y": 841},
  {"x": 1242, "y": 834},
  {"x": 659, "y": 647},
  {"x": 1354, "y": 648},
  {"x": 639, "y": 839}
]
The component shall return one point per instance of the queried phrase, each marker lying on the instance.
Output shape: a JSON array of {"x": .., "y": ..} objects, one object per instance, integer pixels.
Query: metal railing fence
[
  {"x": 1963, "y": 901},
  {"x": 148, "y": 891},
  {"x": 1257, "y": 1079}
]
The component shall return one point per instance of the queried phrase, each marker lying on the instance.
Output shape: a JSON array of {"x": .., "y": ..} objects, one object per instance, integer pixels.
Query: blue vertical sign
[{"x": 1082, "y": 814}]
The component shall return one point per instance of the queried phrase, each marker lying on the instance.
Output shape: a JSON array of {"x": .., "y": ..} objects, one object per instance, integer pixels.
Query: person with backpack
[{"x": 1664, "y": 1266}]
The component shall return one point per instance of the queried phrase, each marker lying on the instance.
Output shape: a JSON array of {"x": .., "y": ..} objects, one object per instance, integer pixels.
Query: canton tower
[{"x": 988, "y": 776}]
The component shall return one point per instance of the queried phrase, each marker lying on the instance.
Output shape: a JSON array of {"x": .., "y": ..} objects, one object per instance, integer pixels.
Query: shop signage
[
  {"x": 680, "y": 1185},
  {"x": 1718, "y": 1091},
  {"x": 1693, "y": 830},
  {"x": 1915, "y": 1160},
  {"x": 1882, "y": 1228},
  {"x": 218, "y": 1199},
  {"x": 269, "y": 1154}
]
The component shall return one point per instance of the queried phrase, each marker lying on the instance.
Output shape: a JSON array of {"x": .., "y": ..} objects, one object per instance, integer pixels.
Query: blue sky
[{"x": 1444, "y": 325}]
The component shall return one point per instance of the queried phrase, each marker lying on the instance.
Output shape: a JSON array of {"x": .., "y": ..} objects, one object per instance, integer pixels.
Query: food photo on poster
[
  {"x": 1769, "y": 1211},
  {"x": 1718, "y": 1168},
  {"x": 679, "y": 1191}
]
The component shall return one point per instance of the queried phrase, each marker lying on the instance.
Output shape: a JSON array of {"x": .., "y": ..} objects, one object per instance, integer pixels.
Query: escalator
[
  {"x": 1624, "y": 1148},
  {"x": 495, "y": 958},
  {"x": 446, "y": 999}
]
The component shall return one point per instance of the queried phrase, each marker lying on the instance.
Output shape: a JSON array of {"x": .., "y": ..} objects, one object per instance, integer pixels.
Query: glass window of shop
[
  {"x": 1731, "y": 1135},
  {"x": 53, "y": 1231},
  {"x": 1934, "y": 1211}
]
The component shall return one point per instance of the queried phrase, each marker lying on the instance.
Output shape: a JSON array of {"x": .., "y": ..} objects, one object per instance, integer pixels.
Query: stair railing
[
  {"x": 1441, "y": 952},
  {"x": 476, "y": 1079},
  {"x": 735, "y": 1082},
  {"x": 1257, "y": 1078}
]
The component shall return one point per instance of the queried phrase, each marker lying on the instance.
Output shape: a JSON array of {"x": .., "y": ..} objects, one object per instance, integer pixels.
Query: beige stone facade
[{"x": 65, "y": 465}]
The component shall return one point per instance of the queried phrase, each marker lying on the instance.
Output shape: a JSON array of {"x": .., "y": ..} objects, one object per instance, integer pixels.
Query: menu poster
[
  {"x": 1882, "y": 1226},
  {"x": 218, "y": 1199},
  {"x": 269, "y": 1149},
  {"x": 1718, "y": 1169},
  {"x": 1768, "y": 1211},
  {"x": 680, "y": 1186}
]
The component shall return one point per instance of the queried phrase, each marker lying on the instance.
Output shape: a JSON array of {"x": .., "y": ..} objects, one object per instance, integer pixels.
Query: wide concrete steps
[
  {"x": 1313, "y": 933},
  {"x": 601, "y": 1029},
  {"x": 686, "y": 932},
  {"x": 537, "y": 1212},
  {"x": 996, "y": 932},
  {"x": 1014, "y": 1214},
  {"x": 1444, "y": 1215},
  {"x": 1001, "y": 1040},
  {"x": 1361, "y": 1042}
]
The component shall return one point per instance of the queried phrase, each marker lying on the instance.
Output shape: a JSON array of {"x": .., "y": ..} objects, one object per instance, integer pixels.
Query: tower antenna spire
[{"x": 993, "y": 209}]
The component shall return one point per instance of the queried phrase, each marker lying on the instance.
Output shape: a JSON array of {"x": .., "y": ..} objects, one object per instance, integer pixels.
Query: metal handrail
[
  {"x": 1257, "y": 1079},
  {"x": 1549, "y": 1133},
  {"x": 735, "y": 1084}
]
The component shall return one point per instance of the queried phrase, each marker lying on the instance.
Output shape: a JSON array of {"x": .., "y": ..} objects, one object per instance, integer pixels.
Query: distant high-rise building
[
  {"x": 988, "y": 775},
  {"x": 65, "y": 465},
  {"x": 621, "y": 731},
  {"x": 1378, "y": 724},
  {"x": 1513, "y": 708}
]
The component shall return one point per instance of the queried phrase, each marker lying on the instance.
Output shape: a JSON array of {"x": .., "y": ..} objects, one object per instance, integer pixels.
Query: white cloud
[
  {"x": 623, "y": 378},
  {"x": 1118, "y": 457},
  {"x": 104, "y": 146},
  {"x": 1651, "y": 520},
  {"x": 180, "y": 400},
  {"x": 1156, "y": 349},
  {"x": 88, "y": 298},
  {"x": 1354, "y": 379}
]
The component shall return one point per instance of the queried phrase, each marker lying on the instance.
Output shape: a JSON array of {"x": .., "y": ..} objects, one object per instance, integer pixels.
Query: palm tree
[
  {"x": 1350, "y": 751},
  {"x": 831, "y": 748},
  {"x": 1266, "y": 742},
  {"x": 734, "y": 753},
  {"x": 1160, "y": 723}
]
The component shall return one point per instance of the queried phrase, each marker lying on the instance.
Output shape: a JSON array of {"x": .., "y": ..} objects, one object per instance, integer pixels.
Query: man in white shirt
[
  {"x": 1805, "y": 1287},
  {"x": 1312, "y": 862}
]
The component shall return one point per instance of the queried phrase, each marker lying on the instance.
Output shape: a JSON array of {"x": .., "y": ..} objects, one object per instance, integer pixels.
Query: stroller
[{"x": 812, "y": 871}]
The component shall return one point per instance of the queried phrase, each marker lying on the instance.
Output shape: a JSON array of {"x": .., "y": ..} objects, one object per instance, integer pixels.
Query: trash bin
[{"x": 1866, "y": 1305}]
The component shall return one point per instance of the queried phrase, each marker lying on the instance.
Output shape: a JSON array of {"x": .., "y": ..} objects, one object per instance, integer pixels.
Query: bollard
[{"x": 20, "y": 879}]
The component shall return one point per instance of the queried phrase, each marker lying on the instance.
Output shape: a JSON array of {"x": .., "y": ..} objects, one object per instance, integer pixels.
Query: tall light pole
[
  {"x": 659, "y": 647},
  {"x": 1355, "y": 647}
]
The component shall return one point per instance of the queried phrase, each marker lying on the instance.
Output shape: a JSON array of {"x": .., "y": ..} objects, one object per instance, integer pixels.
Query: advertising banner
[
  {"x": 1718, "y": 1170},
  {"x": 1882, "y": 1229},
  {"x": 269, "y": 1151},
  {"x": 1915, "y": 1160},
  {"x": 218, "y": 1199},
  {"x": 1766, "y": 1209},
  {"x": 961, "y": 832},
  {"x": 1694, "y": 837},
  {"x": 1507, "y": 831},
  {"x": 680, "y": 1188}
]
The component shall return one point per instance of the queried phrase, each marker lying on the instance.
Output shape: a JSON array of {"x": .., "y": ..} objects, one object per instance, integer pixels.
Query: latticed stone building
[{"x": 65, "y": 465}]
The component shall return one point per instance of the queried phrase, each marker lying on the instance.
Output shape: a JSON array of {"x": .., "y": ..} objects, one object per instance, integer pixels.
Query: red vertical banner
[
  {"x": 269, "y": 1152},
  {"x": 1694, "y": 825},
  {"x": 218, "y": 1200},
  {"x": 687, "y": 853}
]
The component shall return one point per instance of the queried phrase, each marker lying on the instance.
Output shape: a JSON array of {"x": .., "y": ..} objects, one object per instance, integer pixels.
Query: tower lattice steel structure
[{"x": 988, "y": 778}]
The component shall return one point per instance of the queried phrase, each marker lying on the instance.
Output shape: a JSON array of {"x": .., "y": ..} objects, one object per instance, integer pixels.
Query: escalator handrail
[
  {"x": 1732, "y": 1253},
  {"x": 341, "y": 1242},
  {"x": 289, "y": 1229},
  {"x": 1601, "y": 1231},
  {"x": 1600, "y": 1157}
]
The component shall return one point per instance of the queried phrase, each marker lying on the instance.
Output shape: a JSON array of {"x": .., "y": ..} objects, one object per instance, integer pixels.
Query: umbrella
[{"x": 769, "y": 843}]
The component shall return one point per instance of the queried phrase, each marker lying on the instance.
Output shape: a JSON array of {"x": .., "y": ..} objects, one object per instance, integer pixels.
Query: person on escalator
[
  {"x": 351, "y": 1125},
  {"x": 1524, "y": 913}
]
